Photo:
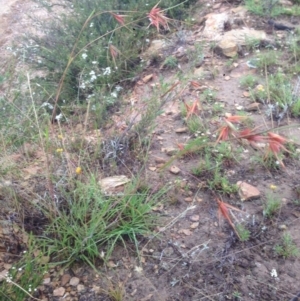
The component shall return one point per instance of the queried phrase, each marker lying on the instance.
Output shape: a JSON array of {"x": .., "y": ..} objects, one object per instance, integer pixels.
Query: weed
[
  {"x": 272, "y": 205},
  {"x": 243, "y": 232},
  {"x": 287, "y": 248}
]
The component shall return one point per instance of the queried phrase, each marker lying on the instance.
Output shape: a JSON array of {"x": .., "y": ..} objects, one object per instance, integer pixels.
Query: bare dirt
[{"x": 192, "y": 257}]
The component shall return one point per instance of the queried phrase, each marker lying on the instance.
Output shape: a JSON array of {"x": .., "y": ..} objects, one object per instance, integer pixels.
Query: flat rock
[
  {"x": 247, "y": 191},
  {"x": 170, "y": 151},
  {"x": 175, "y": 170},
  {"x": 181, "y": 130},
  {"x": 59, "y": 292},
  {"x": 80, "y": 288},
  {"x": 233, "y": 39},
  {"x": 74, "y": 281},
  {"x": 255, "y": 106}
]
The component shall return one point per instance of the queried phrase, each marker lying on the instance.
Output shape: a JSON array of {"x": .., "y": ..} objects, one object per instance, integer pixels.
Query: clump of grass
[
  {"x": 287, "y": 248},
  {"x": 272, "y": 205},
  {"x": 91, "y": 223}
]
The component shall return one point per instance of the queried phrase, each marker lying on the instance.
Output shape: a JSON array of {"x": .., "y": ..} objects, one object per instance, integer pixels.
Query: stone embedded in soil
[
  {"x": 80, "y": 288},
  {"x": 175, "y": 170},
  {"x": 253, "y": 107},
  {"x": 74, "y": 281},
  {"x": 247, "y": 191},
  {"x": 160, "y": 160},
  {"x": 65, "y": 279},
  {"x": 195, "y": 217},
  {"x": 170, "y": 151},
  {"x": 181, "y": 130},
  {"x": 227, "y": 77},
  {"x": 194, "y": 225},
  {"x": 46, "y": 281},
  {"x": 59, "y": 292},
  {"x": 188, "y": 199}
]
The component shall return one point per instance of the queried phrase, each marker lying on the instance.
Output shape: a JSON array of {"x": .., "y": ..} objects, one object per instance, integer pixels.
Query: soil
[{"x": 193, "y": 256}]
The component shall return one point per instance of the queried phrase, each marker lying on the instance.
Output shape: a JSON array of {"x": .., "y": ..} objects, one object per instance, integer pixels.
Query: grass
[
  {"x": 272, "y": 205},
  {"x": 287, "y": 248},
  {"x": 24, "y": 277},
  {"x": 269, "y": 8},
  {"x": 92, "y": 224},
  {"x": 249, "y": 81},
  {"x": 243, "y": 232}
]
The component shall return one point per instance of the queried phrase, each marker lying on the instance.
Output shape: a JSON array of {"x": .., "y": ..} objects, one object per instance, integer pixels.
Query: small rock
[
  {"x": 80, "y": 288},
  {"x": 46, "y": 281},
  {"x": 181, "y": 130},
  {"x": 194, "y": 225},
  {"x": 282, "y": 227},
  {"x": 228, "y": 47},
  {"x": 59, "y": 292},
  {"x": 246, "y": 94},
  {"x": 194, "y": 218},
  {"x": 65, "y": 279},
  {"x": 253, "y": 107},
  {"x": 175, "y": 170},
  {"x": 247, "y": 191},
  {"x": 147, "y": 78},
  {"x": 74, "y": 281},
  {"x": 160, "y": 160},
  {"x": 152, "y": 168},
  {"x": 188, "y": 199},
  {"x": 186, "y": 232},
  {"x": 170, "y": 151},
  {"x": 227, "y": 77}
]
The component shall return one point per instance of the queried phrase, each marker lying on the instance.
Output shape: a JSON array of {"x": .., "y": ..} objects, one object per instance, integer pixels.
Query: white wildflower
[
  {"x": 59, "y": 117},
  {"x": 118, "y": 88},
  {"x": 94, "y": 62},
  {"x": 114, "y": 94},
  {"x": 92, "y": 24},
  {"x": 106, "y": 71},
  {"x": 84, "y": 55},
  {"x": 274, "y": 273}
]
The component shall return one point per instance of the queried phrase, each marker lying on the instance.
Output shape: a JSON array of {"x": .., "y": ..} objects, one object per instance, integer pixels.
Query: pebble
[
  {"x": 181, "y": 130},
  {"x": 59, "y": 292},
  {"x": 247, "y": 191},
  {"x": 65, "y": 279},
  {"x": 74, "y": 281},
  {"x": 80, "y": 288},
  {"x": 175, "y": 170}
]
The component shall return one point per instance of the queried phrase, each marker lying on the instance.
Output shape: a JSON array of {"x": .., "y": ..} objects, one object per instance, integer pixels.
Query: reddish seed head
[
  {"x": 250, "y": 135},
  {"x": 119, "y": 18},
  {"x": 157, "y": 18}
]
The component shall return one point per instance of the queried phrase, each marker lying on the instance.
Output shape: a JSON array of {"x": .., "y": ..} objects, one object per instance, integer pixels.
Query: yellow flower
[
  {"x": 60, "y": 137},
  {"x": 59, "y": 150},
  {"x": 260, "y": 88},
  {"x": 78, "y": 170},
  {"x": 273, "y": 187}
]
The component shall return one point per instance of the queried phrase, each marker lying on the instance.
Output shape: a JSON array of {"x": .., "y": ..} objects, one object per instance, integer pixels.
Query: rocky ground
[{"x": 193, "y": 256}]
